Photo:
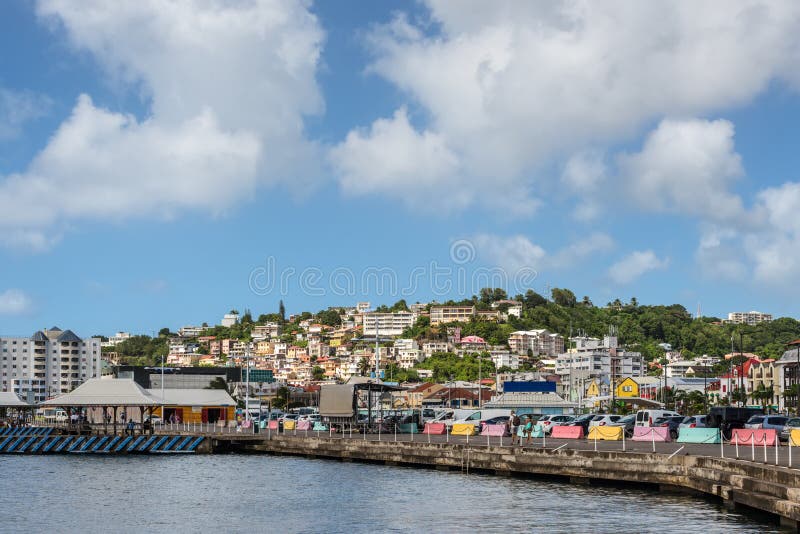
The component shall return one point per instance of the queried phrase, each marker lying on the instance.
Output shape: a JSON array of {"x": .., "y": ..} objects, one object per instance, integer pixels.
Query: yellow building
[
  {"x": 628, "y": 387},
  {"x": 593, "y": 389},
  {"x": 195, "y": 405}
]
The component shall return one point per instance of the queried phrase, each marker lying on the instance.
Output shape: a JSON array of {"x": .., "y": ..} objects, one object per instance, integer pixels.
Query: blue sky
[{"x": 161, "y": 163}]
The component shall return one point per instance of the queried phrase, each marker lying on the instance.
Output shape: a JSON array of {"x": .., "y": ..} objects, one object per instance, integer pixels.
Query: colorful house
[
  {"x": 194, "y": 405},
  {"x": 628, "y": 387}
]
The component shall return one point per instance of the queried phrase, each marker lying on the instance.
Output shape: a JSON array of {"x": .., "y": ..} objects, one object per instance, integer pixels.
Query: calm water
[{"x": 229, "y": 493}]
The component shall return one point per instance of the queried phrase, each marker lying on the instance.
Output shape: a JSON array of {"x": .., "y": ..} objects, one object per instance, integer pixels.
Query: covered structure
[
  {"x": 532, "y": 402},
  {"x": 10, "y": 401},
  {"x": 105, "y": 393},
  {"x": 634, "y": 401},
  {"x": 339, "y": 403},
  {"x": 194, "y": 405}
]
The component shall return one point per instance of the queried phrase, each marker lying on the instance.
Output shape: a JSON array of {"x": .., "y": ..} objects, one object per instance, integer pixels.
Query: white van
[
  {"x": 477, "y": 416},
  {"x": 646, "y": 417}
]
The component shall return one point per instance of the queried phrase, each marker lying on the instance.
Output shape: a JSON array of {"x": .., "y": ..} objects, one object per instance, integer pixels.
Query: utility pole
[
  {"x": 247, "y": 384},
  {"x": 741, "y": 372}
]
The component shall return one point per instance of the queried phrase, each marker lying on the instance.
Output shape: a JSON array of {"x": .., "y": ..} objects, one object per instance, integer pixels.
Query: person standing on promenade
[
  {"x": 528, "y": 430},
  {"x": 513, "y": 425}
]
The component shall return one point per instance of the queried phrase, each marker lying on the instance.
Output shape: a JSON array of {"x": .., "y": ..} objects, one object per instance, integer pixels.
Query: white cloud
[
  {"x": 18, "y": 108},
  {"x": 635, "y": 265},
  {"x": 686, "y": 166},
  {"x": 772, "y": 248},
  {"x": 15, "y": 302},
  {"x": 584, "y": 174},
  {"x": 515, "y": 252},
  {"x": 394, "y": 158},
  {"x": 512, "y": 86},
  {"x": 227, "y": 86},
  {"x": 719, "y": 255}
]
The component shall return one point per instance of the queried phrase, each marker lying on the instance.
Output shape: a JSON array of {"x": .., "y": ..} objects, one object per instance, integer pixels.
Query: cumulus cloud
[
  {"x": 583, "y": 175},
  {"x": 19, "y": 107},
  {"x": 227, "y": 86},
  {"x": 515, "y": 252},
  {"x": 686, "y": 166},
  {"x": 392, "y": 157},
  {"x": 15, "y": 302},
  {"x": 635, "y": 265},
  {"x": 512, "y": 86}
]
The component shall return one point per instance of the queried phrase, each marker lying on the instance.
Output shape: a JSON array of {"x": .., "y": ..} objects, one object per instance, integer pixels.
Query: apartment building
[
  {"x": 48, "y": 363},
  {"x": 387, "y": 324},
  {"x": 266, "y": 331},
  {"x": 539, "y": 342},
  {"x": 191, "y": 331},
  {"x": 431, "y": 347},
  {"x": 751, "y": 317},
  {"x": 594, "y": 360},
  {"x": 116, "y": 339},
  {"x": 451, "y": 314}
]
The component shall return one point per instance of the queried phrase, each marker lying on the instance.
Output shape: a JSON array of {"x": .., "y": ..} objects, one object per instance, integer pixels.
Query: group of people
[{"x": 514, "y": 423}]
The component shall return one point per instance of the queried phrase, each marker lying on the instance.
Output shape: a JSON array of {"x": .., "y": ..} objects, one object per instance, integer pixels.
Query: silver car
[
  {"x": 775, "y": 422},
  {"x": 693, "y": 421},
  {"x": 791, "y": 424}
]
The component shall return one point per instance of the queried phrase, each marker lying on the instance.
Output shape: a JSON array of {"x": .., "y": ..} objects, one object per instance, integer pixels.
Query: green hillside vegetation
[{"x": 639, "y": 327}]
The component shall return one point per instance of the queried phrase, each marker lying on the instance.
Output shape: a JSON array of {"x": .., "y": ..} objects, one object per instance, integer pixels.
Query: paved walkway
[{"x": 744, "y": 452}]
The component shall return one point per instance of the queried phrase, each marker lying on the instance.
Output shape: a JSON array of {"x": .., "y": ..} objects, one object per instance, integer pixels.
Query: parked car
[
  {"x": 728, "y": 418},
  {"x": 499, "y": 420},
  {"x": 693, "y": 421},
  {"x": 672, "y": 422},
  {"x": 290, "y": 417},
  {"x": 627, "y": 423},
  {"x": 774, "y": 422},
  {"x": 553, "y": 421},
  {"x": 583, "y": 421},
  {"x": 792, "y": 424},
  {"x": 604, "y": 420},
  {"x": 649, "y": 416}
]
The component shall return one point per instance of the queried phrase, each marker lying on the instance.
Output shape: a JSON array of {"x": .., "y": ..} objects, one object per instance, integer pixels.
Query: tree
[
  {"x": 533, "y": 299},
  {"x": 234, "y": 312},
  {"x": 587, "y": 302},
  {"x": 318, "y": 373},
  {"x": 282, "y": 311},
  {"x": 247, "y": 317},
  {"x": 363, "y": 367},
  {"x": 563, "y": 297},
  {"x": 634, "y": 302},
  {"x": 329, "y": 317},
  {"x": 281, "y": 399},
  {"x": 400, "y": 305},
  {"x": 164, "y": 332}
]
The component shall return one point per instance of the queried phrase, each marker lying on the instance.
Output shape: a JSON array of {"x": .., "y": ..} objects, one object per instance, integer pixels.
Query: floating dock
[{"x": 44, "y": 440}]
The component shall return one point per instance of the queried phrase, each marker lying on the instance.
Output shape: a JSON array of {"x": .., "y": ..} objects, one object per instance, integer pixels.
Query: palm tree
[{"x": 363, "y": 367}]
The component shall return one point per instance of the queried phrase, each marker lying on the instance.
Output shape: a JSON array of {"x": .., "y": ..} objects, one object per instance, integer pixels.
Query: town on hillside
[{"x": 451, "y": 354}]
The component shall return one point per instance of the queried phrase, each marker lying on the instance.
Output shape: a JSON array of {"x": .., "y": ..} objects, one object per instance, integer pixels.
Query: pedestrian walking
[
  {"x": 528, "y": 430},
  {"x": 513, "y": 427}
]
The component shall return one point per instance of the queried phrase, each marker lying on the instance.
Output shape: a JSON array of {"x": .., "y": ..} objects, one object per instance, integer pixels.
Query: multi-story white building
[
  {"x": 191, "y": 331},
  {"x": 751, "y": 317},
  {"x": 230, "y": 319},
  {"x": 537, "y": 341},
  {"x": 431, "y": 347},
  {"x": 116, "y": 339},
  {"x": 408, "y": 358},
  {"x": 387, "y": 324},
  {"x": 266, "y": 331},
  {"x": 505, "y": 359},
  {"x": 594, "y": 360},
  {"x": 451, "y": 314},
  {"x": 48, "y": 363}
]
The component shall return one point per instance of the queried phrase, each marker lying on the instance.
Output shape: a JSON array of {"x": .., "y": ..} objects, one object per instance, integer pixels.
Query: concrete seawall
[{"x": 771, "y": 489}]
